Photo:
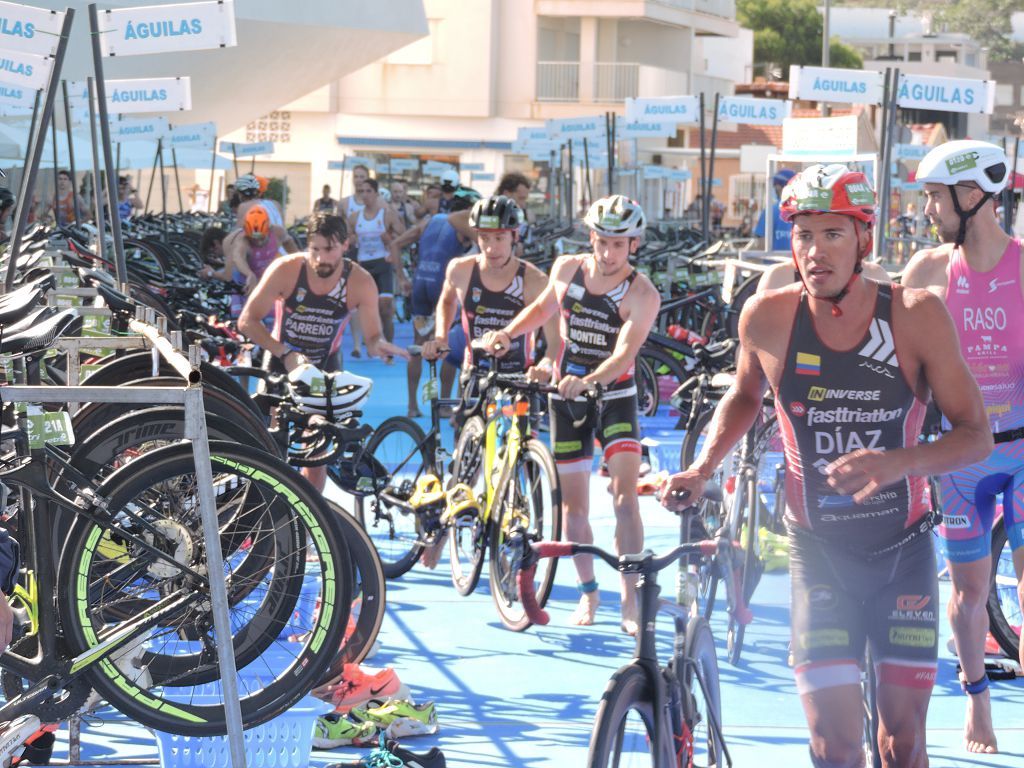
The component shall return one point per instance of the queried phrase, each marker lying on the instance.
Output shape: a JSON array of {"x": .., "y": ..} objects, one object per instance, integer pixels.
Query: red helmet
[
  {"x": 829, "y": 189},
  {"x": 257, "y": 222}
]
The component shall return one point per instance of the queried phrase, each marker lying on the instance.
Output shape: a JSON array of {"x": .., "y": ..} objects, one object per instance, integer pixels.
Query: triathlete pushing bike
[
  {"x": 852, "y": 363},
  {"x": 605, "y": 309}
]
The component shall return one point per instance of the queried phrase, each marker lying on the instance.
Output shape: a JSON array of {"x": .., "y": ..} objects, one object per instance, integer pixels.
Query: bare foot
[
  {"x": 583, "y": 616},
  {"x": 432, "y": 554},
  {"x": 979, "y": 735},
  {"x": 629, "y": 624}
]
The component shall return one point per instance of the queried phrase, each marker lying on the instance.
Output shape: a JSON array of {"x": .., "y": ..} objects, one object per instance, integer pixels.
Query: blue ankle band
[
  {"x": 978, "y": 686},
  {"x": 586, "y": 587}
]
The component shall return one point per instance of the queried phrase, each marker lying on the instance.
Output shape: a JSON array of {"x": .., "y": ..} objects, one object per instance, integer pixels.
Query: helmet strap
[
  {"x": 857, "y": 269},
  {"x": 961, "y": 232}
]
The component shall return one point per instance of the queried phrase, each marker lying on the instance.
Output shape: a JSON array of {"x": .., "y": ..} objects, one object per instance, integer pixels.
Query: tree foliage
[
  {"x": 789, "y": 32},
  {"x": 986, "y": 21}
]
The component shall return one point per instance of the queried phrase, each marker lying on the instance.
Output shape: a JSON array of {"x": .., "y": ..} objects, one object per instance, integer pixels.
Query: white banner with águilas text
[
  {"x": 157, "y": 94},
  {"x": 248, "y": 150},
  {"x": 576, "y": 128},
  {"x": 666, "y": 109},
  {"x": 192, "y": 135},
  {"x": 28, "y": 29},
  {"x": 16, "y": 96},
  {"x": 167, "y": 28},
  {"x": 947, "y": 94},
  {"x": 25, "y": 69},
  {"x": 149, "y": 129},
  {"x": 849, "y": 86},
  {"x": 750, "y": 111}
]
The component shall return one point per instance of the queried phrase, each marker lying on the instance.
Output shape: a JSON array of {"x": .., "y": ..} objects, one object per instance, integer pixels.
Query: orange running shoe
[{"x": 356, "y": 687}]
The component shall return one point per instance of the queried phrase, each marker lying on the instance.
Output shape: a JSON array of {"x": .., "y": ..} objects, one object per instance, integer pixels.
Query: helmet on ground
[
  {"x": 257, "y": 222},
  {"x": 334, "y": 394},
  {"x": 498, "y": 212},
  {"x": 782, "y": 178},
  {"x": 464, "y": 199},
  {"x": 957, "y": 161},
  {"x": 247, "y": 185},
  {"x": 450, "y": 179},
  {"x": 616, "y": 216},
  {"x": 829, "y": 189}
]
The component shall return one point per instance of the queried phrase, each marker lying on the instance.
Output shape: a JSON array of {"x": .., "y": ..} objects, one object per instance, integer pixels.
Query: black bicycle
[{"x": 652, "y": 714}]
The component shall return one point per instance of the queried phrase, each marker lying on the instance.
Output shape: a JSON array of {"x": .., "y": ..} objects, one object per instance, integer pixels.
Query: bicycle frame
[{"x": 30, "y": 478}]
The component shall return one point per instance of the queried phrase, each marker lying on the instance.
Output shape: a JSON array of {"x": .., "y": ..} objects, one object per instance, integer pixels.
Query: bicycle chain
[{"x": 53, "y": 710}]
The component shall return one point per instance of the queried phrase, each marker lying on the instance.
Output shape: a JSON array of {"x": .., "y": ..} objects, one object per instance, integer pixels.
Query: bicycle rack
[{"x": 191, "y": 397}]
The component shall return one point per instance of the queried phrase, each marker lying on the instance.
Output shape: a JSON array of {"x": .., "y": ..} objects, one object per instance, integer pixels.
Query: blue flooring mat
[{"x": 507, "y": 699}]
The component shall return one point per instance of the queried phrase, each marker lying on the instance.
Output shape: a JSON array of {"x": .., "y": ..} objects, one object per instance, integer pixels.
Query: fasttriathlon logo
[{"x": 844, "y": 415}]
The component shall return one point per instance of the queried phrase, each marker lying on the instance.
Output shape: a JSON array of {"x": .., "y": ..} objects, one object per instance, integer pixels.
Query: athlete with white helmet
[
  {"x": 606, "y": 309},
  {"x": 979, "y": 272},
  {"x": 852, "y": 363}
]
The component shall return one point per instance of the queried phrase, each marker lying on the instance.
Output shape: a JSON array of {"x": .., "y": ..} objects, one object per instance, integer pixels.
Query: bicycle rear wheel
[
  {"x": 467, "y": 535},
  {"x": 147, "y": 546},
  {"x": 625, "y": 729},
  {"x": 532, "y": 501},
  {"x": 399, "y": 445},
  {"x": 697, "y": 671},
  {"x": 1004, "y": 616}
]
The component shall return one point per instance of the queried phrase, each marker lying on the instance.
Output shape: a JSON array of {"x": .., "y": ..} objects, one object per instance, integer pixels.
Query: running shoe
[
  {"x": 391, "y": 755},
  {"x": 399, "y": 718},
  {"x": 356, "y": 688},
  {"x": 335, "y": 730}
]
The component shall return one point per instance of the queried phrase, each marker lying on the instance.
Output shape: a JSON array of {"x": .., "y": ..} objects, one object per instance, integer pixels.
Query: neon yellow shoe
[
  {"x": 336, "y": 730},
  {"x": 400, "y": 718},
  {"x": 460, "y": 502}
]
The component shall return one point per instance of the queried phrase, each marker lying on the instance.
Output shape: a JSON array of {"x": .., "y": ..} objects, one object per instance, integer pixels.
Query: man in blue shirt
[{"x": 780, "y": 228}]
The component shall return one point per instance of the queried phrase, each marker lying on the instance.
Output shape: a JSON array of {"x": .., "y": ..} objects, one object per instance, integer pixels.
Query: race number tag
[{"x": 44, "y": 427}]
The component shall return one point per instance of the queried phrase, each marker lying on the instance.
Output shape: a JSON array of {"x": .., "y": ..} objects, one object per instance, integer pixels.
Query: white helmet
[
  {"x": 336, "y": 393},
  {"x": 956, "y": 161},
  {"x": 616, "y": 216},
  {"x": 450, "y": 178}
]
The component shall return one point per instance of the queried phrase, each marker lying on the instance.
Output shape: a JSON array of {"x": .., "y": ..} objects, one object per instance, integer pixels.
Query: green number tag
[
  {"x": 96, "y": 325},
  {"x": 54, "y": 428},
  {"x": 68, "y": 280}
]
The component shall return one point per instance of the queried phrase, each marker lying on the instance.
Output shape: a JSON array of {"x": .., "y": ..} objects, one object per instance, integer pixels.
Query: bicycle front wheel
[
  {"x": 531, "y": 501},
  {"x": 399, "y": 445},
  {"x": 146, "y": 547},
  {"x": 625, "y": 732},
  {"x": 1004, "y": 616},
  {"x": 697, "y": 672},
  {"x": 467, "y": 534}
]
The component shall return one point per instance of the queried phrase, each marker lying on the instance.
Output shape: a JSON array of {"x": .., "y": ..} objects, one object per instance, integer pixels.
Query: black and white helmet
[
  {"x": 247, "y": 185},
  {"x": 497, "y": 212},
  {"x": 616, "y": 216},
  {"x": 336, "y": 394}
]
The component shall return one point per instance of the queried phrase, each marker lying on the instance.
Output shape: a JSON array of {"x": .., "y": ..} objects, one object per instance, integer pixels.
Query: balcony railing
[
  {"x": 615, "y": 82},
  {"x": 558, "y": 81},
  {"x": 604, "y": 82}
]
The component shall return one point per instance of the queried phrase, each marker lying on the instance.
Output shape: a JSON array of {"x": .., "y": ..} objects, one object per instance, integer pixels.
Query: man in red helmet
[{"x": 851, "y": 363}]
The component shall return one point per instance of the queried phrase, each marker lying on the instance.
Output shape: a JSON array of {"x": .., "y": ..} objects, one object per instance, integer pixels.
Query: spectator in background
[
  {"x": 430, "y": 205},
  {"x": 7, "y": 201},
  {"x": 325, "y": 203},
  {"x": 211, "y": 251},
  {"x": 780, "y": 229},
  {"x": 402, "y": 205},
  {"x": 449, "y": 183},
  {"x": 226, "y": 208},
  {"x": 354, "y": 202},
  {"x": 63, "y": 204},
  {"x": 127, "y": 198}
]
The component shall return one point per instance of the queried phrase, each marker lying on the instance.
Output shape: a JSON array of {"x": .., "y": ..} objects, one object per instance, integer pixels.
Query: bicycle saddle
[
  {"x": 40, "y": 337},
  {"x": 117, "y": 301},
  {"x": 33, "y": 318},
  {"x": 15, "y": 305}
]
